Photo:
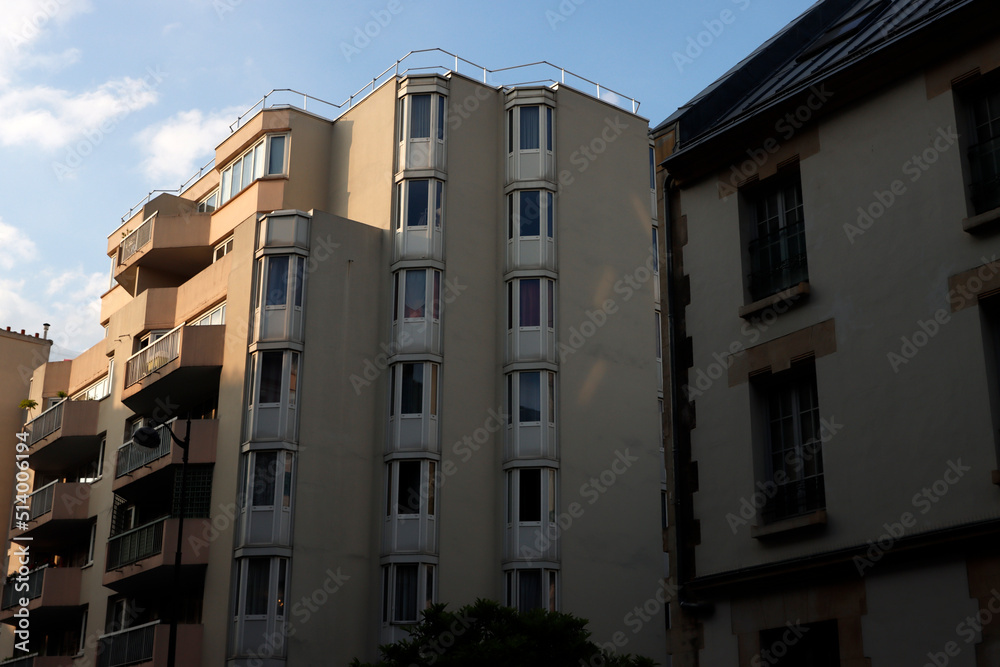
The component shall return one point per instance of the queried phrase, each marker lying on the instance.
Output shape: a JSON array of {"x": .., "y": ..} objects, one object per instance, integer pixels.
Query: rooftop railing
[{"x": 455, "y": 64}]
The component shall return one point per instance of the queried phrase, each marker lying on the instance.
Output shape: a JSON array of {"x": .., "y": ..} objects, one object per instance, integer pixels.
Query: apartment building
[
  {"x": 409, "y": 343},
  {"x": 833, "y": 407}
]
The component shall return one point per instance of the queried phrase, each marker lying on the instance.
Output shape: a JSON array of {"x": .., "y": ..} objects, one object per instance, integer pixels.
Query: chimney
[{"x": 45, "y": 331}]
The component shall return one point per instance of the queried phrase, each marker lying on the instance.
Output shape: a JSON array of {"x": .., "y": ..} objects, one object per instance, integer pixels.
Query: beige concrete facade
[
  {"x": 903, "y": 358},
  {"x": 372, "y": 429}
]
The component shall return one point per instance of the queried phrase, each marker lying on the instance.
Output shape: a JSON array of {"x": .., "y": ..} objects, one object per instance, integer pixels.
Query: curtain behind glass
[
  {"x": 406, "y": 592},
  {"x": 529, "y": 128},
  {"x": 529, "y": 590},
  {"x": 420, "y": 116}
]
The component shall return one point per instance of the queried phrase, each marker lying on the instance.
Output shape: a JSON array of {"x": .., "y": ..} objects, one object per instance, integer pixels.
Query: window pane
[
  {"x": 276, "y": 158},
  {"x": 656, "y": 251},
  {"x": 432, "y": 471},
  {"x": 264, "y": 472},
  {"x": 286, "y": 494},
  {"x": 509, "y": 515},
  {"x": 552, "y": 304},
  {"x": 529, "y": 590},
  {"x": 258, "y": 574},
  {"x": 247, "y": 170},
  {"x": 652, "y": 170},
  {"x": 549, "y": 213},
  {"x": 406, "y": 592},
  {"x": 529, "y": 128},
  {"x": 552, "y": 496},
  {"x": 552, "y": 398},
  {"x": 279, "y": 607},
  {"x": 438, "y": 203},
  {"x": 293, "y": 379},
  {"x": 392, "y": 393},
  {"x": 237, "y": 177},
  {"x": 437, "y": 295},
  {"x": 530, "y": 213},
  {"x": 227, "y": 177},
  {"x": 416, "y": 293},
  {"x": 408, "y": 494},
  {"x": 277, "y": 281},
  {"x": 412, "y": 402},
  {"x": 548, "y": 128},
  {"x": 510, "y": 131},
  {"x": 510, "y": 216},
  {"x": 530, "y": 304},
  {"x": 416, "y": 203},
  {"x": 434, "y": 389},
  {"x": 300, "y": 276},
  {"x": 388, "y": 490},
  {"x": 530, "y": 495},
  {"x": 510, "y": 395},
  {"x": 510, "y": 305},
  {"x": 258, "y": 160},
  {"x": 270, "y": 377},
  {"x": 429, "y": 588},
  {"x": 420, "y": 116},
  {"x": 386, "y": 592},
  {"x": 440, "y": 130},
  {"x": 530, "y": 395}
]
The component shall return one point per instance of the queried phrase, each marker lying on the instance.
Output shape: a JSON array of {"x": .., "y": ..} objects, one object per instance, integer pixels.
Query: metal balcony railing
[
  {"x": 134, "y": 545},
  {"x": 132, "y": 456},
  {"x": 778, "y": 261},
  {"x": 136, "y": 239},
  {"x": 984, "y": 159},
  {"x": 46, "y": 423},
  {"x": 26, "y": 661},
  {"x": 11, "y": 596},
  {"x": 154, "y": 357},
  {"x": 127, "y": 647},
  {"x": 40, "y": 501}
]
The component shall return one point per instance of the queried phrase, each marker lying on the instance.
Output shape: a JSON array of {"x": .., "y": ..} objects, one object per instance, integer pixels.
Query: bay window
[
  {"x": 534, "y": 588},
  {"x": 273, "y": 385},
  {"x": 261, "y": 584},
  {"x": 267, "y": 157},
  {"x": 265, "y": 497}
]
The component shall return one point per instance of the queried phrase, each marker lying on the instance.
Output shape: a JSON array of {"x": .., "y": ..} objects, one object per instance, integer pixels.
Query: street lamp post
[{"x": 149, "y": 438}]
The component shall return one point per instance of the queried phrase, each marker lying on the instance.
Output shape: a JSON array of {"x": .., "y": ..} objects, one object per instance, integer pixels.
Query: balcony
[
  {"x": 144, "y": 556},
  {"x": 183, "y": 364},
  {"x": 134, "y": 462},
  {"x": 165, "y": 243},
  {"x": 64, "y": 436},
  {"x": 49, "y": 588},
  {"x": 147, "y": 645},
  {"x": 40, "y": 661},
  {"x": 56, "y": 512}
]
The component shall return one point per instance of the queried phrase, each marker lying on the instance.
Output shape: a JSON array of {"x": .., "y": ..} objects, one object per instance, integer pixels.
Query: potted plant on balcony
[{"x": 29, "y": 405}]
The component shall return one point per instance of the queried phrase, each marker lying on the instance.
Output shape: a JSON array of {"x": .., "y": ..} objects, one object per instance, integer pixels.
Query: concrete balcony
[
  {"x": 64, "y": 436},
  {"x": 182, "y": 365},
  {"x": 144, "y": 557},
  {"x": 56, "y": 512},
  {"x": 134, "y": 463},
  {"x": 41, "y": 661},
  {"x": 170, "y": 243},
  {"x": 147, "y": 646},
  {"x": 49, "y": 589}
]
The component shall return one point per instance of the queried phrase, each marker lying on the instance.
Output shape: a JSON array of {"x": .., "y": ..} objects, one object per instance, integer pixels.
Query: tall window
[
  {"x": 414, "y": 389},
  {"x": 407, "y": 589},
  {"x": 419, "y": 203},
  {"x": 410, "y": 487},
  {"x": 793, "y": 443},
  {"x": 416, "y": 293},
  {"x": 529, "y": 128},
  {"x": 530, "y": 214},
  {"x": 530, "y": 301},
  {"x": 777, "y": 247},
  {"x": 273, "y": 389},
  {"x": 527, "y": 393},
  {"x": 532, "y": 589},
  {"x": 531, "y": 495},
  {"x": 261, "y": 584},
  {"x": 266, "y": 157},
  {"x": 984, "y": 150}
]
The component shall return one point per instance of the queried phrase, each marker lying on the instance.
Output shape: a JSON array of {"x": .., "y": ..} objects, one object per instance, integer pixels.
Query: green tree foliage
[{"x": 488, "y": 635}]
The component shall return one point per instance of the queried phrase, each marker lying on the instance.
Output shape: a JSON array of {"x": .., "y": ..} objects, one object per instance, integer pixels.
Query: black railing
[
  {"x": 778, "y": 261},
  {"x": 127, "y": 647},
  {"x": 11, "y": 597},
  {"x": 803, "y": 496},
  {"x": 985, "y": 162},
  {"x": 134, "y": 545}
]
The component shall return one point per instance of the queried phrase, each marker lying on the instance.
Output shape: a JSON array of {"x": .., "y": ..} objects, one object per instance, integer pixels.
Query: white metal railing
[
  {"x": 128, "y": 646},
  {"x": 136, "y": 239},
  {"x": 46, "y": 423},
  {"x": 132, "y": 456},
  {"x": 153, "y": 357},
  {"x": 560, "y": 75}
]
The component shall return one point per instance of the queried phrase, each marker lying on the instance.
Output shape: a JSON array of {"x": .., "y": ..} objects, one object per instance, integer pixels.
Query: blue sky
[{"x": 105, "y": 100}]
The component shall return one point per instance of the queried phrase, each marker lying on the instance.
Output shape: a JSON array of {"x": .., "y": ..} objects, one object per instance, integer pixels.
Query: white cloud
[
  {"x": 51, "y": 62},
  {"x": 52, "y": 118},
  {"x": 181, "y": 144},
  {"x": 15, "y": 246},
  {"x": 24, "y": 21}
]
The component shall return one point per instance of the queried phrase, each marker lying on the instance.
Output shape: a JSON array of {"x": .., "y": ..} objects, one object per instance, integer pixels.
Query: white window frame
[
  {"x": 550, "y": 581},
  {"x": 282, "y": 498},
  {"x": 287, "y": 404},
  {"x": 548, "y": 496},
  {"x": 426, "y": 578},
  {"x": 427, "y": 504},
  {"x": 219, "y": 312},
  {"x": 222, "y": 249},
  {"x": 276, "y": 602},
  {"x": 210, "y": 202},
  {"x": 294, "y": 297},
  {"x": 546, "y": 305},
  {"x": 548, "y": 397},
  {"x": 546, "y": 129},
  {"x": 432, "y": 295},
  {"x": 435, "y": 204},
  {"x": 546, "y": 215},
  {"x": 98, "y": 390},
  {"x": 258, "y": 161},
  {"x": 430, "y": 396}
]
